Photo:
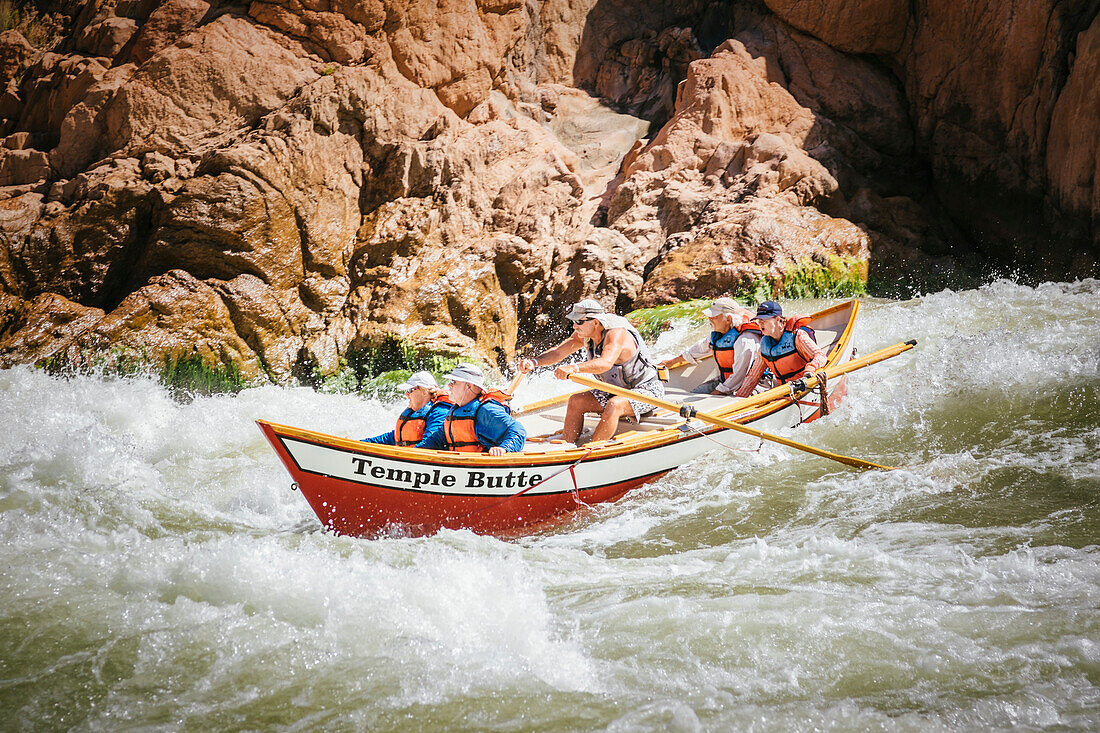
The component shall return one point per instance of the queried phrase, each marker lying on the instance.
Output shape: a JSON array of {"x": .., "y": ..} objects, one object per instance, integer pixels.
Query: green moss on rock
[
  {"x": 839, "y": 278},
  {"x": 378, "y": 370},
  {"x": 185, "y": 377},
  {"x": 651, "y": 321}
]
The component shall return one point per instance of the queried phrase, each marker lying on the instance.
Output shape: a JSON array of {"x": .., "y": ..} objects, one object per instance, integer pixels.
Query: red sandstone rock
[
  {"x": 213, "y": 81},
  {"x": 165, "y": 25},
  {"x": 49, "y": 325},
  {"x": 14, "y": 50},
  {"x": 1073, "y": 148},
  {"x": 279, "y": 187},
  {"x": 23, "y": 166},
  {"x": 871, "y": 26},
  {"x": 749, "y": 242},
  {"x": 174, "y": 316},
  {"x": 107, "y": 37},
  {"x": 983, "y": 79}
]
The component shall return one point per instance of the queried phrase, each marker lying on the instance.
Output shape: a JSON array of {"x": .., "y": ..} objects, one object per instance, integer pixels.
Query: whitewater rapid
[{"x": 157, "y": 571}]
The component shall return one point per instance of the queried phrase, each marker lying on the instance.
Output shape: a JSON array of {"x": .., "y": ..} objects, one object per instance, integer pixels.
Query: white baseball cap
[
  {"x": 467, "y": 372},
  {"x": 723, "y": 307},
  {"x": 419, "y": 379},
  {"x": 585, "y": 309}
]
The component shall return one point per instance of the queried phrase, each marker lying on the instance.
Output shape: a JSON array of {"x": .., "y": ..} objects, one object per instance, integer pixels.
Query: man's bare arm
[
  {"x": 554, "y": 355},
  {"x": 616, "y": 348}
]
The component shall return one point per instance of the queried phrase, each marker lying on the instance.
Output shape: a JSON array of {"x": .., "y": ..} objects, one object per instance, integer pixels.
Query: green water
[{"x": 158, "y": 574}]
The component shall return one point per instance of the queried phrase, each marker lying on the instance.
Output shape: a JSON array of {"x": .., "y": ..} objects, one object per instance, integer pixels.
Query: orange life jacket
[
  {"x": 781, "y": 356},
  {"x": 410, "y": 430},
  {"x": 721, "y": 345},
  {"x": 460, "y": 430}
]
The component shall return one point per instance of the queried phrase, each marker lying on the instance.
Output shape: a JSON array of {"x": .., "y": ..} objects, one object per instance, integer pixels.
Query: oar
[
  {"x": 689, "y": 412},
  {"x": 515, "y": 383},
  {"x": 831, "y": 372}
]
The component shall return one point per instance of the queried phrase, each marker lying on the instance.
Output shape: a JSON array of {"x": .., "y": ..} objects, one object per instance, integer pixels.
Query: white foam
[{"x": 156, "y": 570}]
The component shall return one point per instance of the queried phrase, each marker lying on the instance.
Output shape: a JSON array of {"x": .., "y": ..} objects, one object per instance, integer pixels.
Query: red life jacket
[
  {"x": 722, "y": 346},
  {"x": 781, "y": 356},
  {"x": 460, "y": 431},
  {"x": 410, "y": 430}
]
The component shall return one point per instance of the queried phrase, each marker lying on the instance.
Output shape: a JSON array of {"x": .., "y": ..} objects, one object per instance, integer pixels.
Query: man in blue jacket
[
  {"x": 428, "y": 408},
  {"x": 479, "y": 422}
]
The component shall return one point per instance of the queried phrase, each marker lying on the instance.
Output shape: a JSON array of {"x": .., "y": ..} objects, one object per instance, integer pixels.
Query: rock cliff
[{"x": 280, "y": 184}]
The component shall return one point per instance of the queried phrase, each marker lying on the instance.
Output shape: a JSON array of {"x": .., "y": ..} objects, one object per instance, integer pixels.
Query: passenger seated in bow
[
  {"x": 428, "y": 407},
  {"x": 616, "y": 355},
  {"x": 480, "y": 421},
  {"x": 787, "y": 347},
  {"x": 734, "y": 341}
]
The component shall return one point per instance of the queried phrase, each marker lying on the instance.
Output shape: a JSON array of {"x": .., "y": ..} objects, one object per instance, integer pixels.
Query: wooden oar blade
[{"x": 847, "y": 460}]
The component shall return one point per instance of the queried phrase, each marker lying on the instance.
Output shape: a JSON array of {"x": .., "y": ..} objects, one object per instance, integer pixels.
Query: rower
[
  {"x": 616, "y": 355},
  {"x": 428, "y": 407},
  {"x": 480, "y": 420},
  {"x": 734, "y": 341},
  {"x": 787, "y": 348}
]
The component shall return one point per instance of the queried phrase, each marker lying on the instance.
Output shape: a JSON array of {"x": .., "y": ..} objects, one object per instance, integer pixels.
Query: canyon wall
[{"x": 277, "y": 185}]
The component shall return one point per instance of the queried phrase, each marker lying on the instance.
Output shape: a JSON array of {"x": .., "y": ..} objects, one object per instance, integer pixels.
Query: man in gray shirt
[
  {"x": 734, "y": 341},
  {"x": 615, "y": 353}
]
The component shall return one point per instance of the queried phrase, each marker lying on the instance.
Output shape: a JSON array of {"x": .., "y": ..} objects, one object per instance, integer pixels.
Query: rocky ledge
[{"x": 277, "y": 185}]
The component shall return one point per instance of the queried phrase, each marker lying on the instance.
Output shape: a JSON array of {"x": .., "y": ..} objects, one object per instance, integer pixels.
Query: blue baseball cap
[{"x": 768, "y": 309}]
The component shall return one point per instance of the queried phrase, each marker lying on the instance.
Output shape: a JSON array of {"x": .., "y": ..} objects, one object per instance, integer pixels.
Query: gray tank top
[{"x": 639, "y": 370}]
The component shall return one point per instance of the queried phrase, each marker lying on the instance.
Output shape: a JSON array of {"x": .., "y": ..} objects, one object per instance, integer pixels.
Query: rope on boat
[
  {"x": 573, "y": 475},
  {"x": 794, "y": 397},
  {"x": 691, "y": 427},
  {"x": 570, "y": 468},
  {"x": 797, "y": 389}
]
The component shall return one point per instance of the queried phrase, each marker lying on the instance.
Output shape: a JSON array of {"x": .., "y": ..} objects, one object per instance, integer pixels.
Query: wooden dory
[{"x": 363, "y": 489}]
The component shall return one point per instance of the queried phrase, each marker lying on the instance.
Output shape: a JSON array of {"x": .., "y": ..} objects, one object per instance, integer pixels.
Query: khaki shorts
[{"x": 641, "y": 409}]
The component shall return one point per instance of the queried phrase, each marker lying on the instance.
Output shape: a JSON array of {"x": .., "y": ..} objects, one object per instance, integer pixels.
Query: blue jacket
[
  {"x": 434, "y": 413},
  {"x": 493, "y": 425}
]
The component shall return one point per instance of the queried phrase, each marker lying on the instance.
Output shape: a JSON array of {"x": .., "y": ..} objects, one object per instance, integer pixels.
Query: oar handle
[
  {"x": 515, "y": 382},
  {"x": 873, "y": 358},
  {"x": 624, "y": 392}
]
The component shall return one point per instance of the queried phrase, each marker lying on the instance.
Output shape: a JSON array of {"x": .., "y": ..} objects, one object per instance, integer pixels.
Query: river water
[{"x": 157, "y": 572}]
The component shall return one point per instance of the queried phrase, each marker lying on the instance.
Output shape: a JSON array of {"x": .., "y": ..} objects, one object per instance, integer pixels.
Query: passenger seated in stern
[
  {"x": 616, "y": 355},
  {"x": 480, "y": 421},
  {"x": 428, "y": 408},
  {"x": 788, "y": 348},
  {"x": 735, "y": 343}
]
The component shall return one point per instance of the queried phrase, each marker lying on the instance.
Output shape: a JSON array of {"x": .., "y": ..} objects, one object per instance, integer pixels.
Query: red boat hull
[{"x": 366, "y": 509}]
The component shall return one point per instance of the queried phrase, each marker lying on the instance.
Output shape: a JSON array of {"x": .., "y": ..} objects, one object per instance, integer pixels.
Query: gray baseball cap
[
  {"x": 467, "y": 372},
  {"x": 585, "y": 309},
  {"x": 723, "y": 307},
  {"x": 419, "y": 379}
]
